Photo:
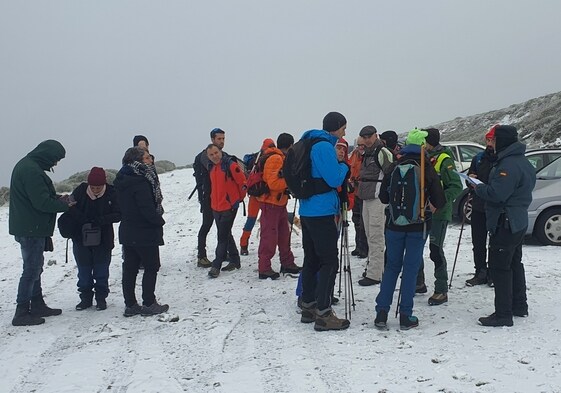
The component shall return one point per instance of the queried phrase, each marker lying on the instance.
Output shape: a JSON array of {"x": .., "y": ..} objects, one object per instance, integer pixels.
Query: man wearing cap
[
  {"x": 480, "y": 168},
  {"x": 442, "y": 161},
  {"x": 319, "y": 231},
  {"x": 33, "y": 208},
  {"x": 201, "y": 168},
  {"x": 355, "y": 162},
  {"x": 507, "y": 196},
  {"x": 375, "y": 163}
]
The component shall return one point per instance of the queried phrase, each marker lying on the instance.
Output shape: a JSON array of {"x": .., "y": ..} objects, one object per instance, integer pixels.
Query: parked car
[
  {"x": 544, "y": 213},
  {"x": 463, "y": 152}
]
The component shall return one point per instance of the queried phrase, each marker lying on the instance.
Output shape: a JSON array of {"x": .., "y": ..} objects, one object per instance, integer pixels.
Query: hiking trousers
[
  {"x": 274, "y": 232},
  {"x": 479, "y": 240},
  {"x": 436, "y": 247},
  {"x": 208, "y": 220},
  {"x": 373, "y": 218}
]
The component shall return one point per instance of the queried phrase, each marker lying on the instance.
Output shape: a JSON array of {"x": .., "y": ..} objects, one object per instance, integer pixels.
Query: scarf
[
  {"x": 149, "y": 173},
  {"x": 93, "y": 196}
]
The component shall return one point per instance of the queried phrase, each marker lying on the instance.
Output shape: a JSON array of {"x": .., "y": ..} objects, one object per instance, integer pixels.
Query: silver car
[{"x": 544, "y": 213}]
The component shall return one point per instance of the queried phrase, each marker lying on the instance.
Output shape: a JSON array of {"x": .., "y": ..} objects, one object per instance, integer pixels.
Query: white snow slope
[{"x": 240, "y": 334}]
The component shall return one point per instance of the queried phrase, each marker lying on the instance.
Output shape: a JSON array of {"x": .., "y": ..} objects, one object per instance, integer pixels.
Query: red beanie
[
  {"x": 491, "y": 133},
  {"x": 97, "y": 177}
]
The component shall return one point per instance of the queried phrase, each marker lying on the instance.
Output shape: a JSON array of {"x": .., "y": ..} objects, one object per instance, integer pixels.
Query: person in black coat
[
  {"x": 141, "y": 229},
  {"x": 97, "y": 208}
]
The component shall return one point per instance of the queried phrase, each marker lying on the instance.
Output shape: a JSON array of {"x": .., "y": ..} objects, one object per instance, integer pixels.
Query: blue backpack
[{"x": 405, "y": 194}]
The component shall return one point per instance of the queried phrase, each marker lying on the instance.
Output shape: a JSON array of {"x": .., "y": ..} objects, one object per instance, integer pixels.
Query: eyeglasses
[{"x": 361, "y": 145}]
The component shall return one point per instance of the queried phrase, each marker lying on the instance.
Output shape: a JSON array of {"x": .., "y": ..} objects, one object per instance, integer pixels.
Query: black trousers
[
  {"x": 479, "y": 240},
  {"x": 134, "y": 256},
  {"x": 208, "y": 220},
  {"x": 321, "y": 259},
  {"x": 226, "y": 247},
  {"x": 507, "y": 271},
  {"x": 361, "y": 242}
]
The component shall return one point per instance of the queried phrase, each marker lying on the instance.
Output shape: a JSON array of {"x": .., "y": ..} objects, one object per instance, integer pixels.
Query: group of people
[
  {"x": 89, "y": 212},
  {"x": 392, "y": 220}
]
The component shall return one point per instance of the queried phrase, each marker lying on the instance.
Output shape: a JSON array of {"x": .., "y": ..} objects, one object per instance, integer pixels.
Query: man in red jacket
[{"x": 228, "y": 189}]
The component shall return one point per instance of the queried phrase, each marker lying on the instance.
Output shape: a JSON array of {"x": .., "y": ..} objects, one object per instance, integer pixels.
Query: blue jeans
[
  {"x": 93, "y": 269},
  {"x": 404, "y": 250},
  {"x": 30, "y": 282}
]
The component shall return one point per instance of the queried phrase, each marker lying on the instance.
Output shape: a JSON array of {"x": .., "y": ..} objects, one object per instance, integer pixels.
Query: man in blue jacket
[
  {"x": 319, "y": 230},
  {"x": 507, "y": 196}
]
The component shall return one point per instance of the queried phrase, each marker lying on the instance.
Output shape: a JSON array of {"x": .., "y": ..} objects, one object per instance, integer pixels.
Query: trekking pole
[
  {"x": 192, "y": 192},
  {"x": 398, "y": 298},
  {"x": 293, "y": 216},
  {"x": 459, "y": 240}
]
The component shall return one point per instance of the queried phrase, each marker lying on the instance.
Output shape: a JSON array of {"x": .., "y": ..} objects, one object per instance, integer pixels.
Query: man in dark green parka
[{"x": 33, "y": 208}]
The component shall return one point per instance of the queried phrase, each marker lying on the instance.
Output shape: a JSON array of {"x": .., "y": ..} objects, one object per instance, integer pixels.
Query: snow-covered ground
[{"x": 241, "y": 334}]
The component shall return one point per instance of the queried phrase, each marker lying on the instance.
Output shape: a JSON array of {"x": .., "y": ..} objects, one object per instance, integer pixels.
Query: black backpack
[{"x": 297, "y": 170}]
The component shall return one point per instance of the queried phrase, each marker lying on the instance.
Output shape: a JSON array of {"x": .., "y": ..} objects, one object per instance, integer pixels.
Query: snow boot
[
  {"x": 23, "y": 317},
  {"x": 329, "y": 321},
  {"x": 407, "y": 322},
  {"x": 381, "y": 320},
  {"x": 40, "y": 309}
]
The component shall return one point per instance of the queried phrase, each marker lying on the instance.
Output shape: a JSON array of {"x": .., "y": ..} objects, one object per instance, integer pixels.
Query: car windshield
[{"x": 551, "y": 171}]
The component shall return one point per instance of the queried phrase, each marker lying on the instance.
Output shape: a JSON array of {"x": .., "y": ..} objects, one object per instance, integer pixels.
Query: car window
[
  {"x": 537, "y": 161},
  {"x": 467, "y": 152},
  {"x": 454, "y": 152},
  {"x": 551, "y": 171}
]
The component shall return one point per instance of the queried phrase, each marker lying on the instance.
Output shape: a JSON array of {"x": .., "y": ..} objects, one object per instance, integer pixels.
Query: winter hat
[
  {"x": 285, "y": 140},
  {"x": 433, "y": 136},
  {"x": 97, "y": 177},
  {"x": 333, "y": 121},
  {"x": 491, "y": 133},
  {"x": 343, "y": 142},
  {"x": 267, "y": 143},
  {"x": 139, "y": 138},
  {"x": 505, "y": 136},
  {"x": 390, "y": 137},
  {"x": 367, "y": 131},
  {"x": 416, "y": 137}
]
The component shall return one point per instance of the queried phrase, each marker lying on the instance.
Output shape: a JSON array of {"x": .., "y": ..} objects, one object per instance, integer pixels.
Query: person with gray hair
[{"x": 141, "y": 230}]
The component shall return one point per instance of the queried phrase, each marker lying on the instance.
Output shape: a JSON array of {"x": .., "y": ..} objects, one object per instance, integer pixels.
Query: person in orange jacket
[
  {"x": 355, "y": 161},
  {"x": 274, "y": 217},
  {"x": 228, "y": 188}
]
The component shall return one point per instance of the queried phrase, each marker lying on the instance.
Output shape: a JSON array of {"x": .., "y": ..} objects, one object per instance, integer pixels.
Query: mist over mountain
[{"x": 538, "y": 121}]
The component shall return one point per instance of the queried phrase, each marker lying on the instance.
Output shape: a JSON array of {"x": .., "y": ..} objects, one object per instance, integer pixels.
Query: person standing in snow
[
  {"x": 141, "y": 229},
  {"x": 32, "y": 214},
  {"x": 228, "y": 188},
  {"x": 507, "y": 197},
  {"x": 96, "y": 204},
  {"x": 355, "y": 162}
]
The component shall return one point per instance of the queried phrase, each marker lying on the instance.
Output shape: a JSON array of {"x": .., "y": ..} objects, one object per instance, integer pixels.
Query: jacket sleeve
[
  {"x": 271, "y": 171},
  {"x": 326, "y": 163},
  {"x": 473, "y": 166},
  {"x": 385, "y": 157},
  {"x": 383, "y": 194},
  {"x": 42, "y": 194},
  {"x": 450, "y": 180},
  {"x": 239, "y": 178},
  {"x": 115, "y": 211},
  {"x": 436, "y": 194},
  {"x": 501, "y": 185},
  {"x": 145, "y": 202}
]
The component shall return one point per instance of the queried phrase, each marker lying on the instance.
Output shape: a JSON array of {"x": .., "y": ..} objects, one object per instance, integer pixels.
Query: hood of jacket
[
  {"x": 47, "y": 154},
  {"x": 321, "y": 134}
]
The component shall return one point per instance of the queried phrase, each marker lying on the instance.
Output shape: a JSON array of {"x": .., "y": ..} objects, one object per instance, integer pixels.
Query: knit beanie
[
  {"x": 139, "y": 138},
  {"x": 267, "y": 143},
  {"x": 97, "y": 177},
  {"x": 333, "y": 121},
  {"x": 505, "y": 136},
  {"x": 433, "y": 136},
  {"x": 416, "y": 137},
  {"x": 491, "y": 133},
  {"x": 285, "y": 140},
  {"x": 390, "y": 137}
]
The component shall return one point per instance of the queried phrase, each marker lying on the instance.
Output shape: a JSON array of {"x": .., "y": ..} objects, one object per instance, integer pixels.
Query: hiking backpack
[
  {"x": 297, "y": 170},
  {"x": 405, "y": 194},
  {"x": 256, "y": 186},
  {"x": 249, "y": 161}
]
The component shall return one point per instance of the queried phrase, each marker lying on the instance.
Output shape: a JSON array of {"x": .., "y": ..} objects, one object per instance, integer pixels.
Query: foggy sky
[{"x": 92, "y": 74}]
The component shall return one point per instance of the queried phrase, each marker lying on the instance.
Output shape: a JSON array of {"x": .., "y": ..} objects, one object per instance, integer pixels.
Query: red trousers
[{"x": 275, "y": 231}]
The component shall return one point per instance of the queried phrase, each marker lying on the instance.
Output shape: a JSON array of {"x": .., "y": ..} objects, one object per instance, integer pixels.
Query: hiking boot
[
  {"x": 231, "y": 266},
  {"x": 23, "y": 317},
  {"x": 362, "y": 255},
  {"x": 214, "y": 272},
  {"x": 495, "y": 321},
  {"x": 84, "y": 304},
  {"x": 299, "y": 302},
  {"x": 381, "y": 320},
  {"x": 407, "y": 322},
  {"x": 329, "y": 321},
  {"x": 477, "y": 279},
  {"x": 153, "y": 309},
  {"x": 354, "y": 252},
  {"x": 132, "y": 310},
  {"x": 204, "y": 262},
  {"x": 366, "y": 282},
  {"x": 421, "y": 289},
  {"x": 269, "y": 274},
  {"x": 438, "y": 298},
  {"x": 290, "y": 269},
  {"x": 40, "y": 309},
  {"x": 490, "y": 282},
  {"x": 309, "y": 312},
  {"x": 243, "y": 250},
  {"x": 334, "y": 300},
  {"x": 100, "y": 305}
]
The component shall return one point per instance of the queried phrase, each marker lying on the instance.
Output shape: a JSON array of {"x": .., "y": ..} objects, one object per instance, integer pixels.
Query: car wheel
[
  {"x": 548, "y": 227},
  {"x": 465, "y": 209}
]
